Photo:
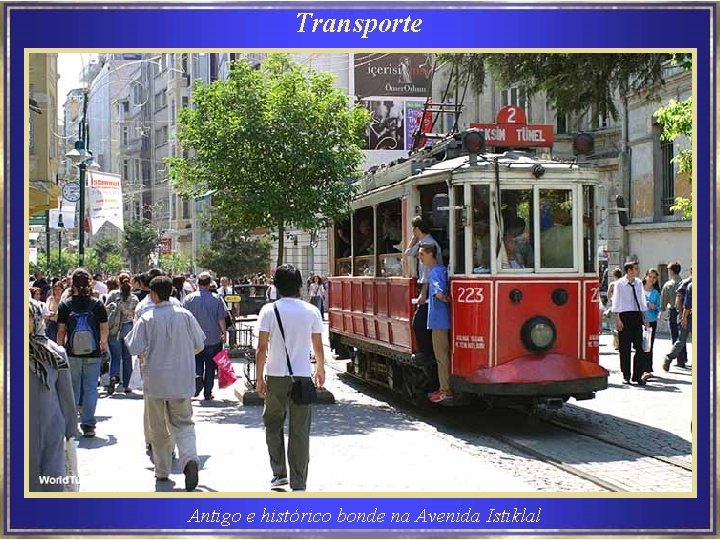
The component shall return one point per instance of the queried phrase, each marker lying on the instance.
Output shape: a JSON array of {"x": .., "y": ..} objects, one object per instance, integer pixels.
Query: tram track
[{"x": 611, "y": 465}]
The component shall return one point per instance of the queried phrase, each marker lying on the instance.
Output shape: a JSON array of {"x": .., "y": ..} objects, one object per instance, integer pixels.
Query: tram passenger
[
  {"x": 481, "y": 241},
  {"x": 421, "y": 235},
  {"x": 556, "y": 237},
  {"x": 630, "y": 306},
  {"x": 364, "y": 240},
  {"x": 438, "y": 319}
]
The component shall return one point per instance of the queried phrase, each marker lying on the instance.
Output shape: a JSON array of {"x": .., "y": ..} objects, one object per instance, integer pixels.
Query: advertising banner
[
  {"x": 105, "y": 200},
  {"x": 414, "y": 120},
  {"x": 385, "y": 131},
  {"x": 396, "y": 75}
]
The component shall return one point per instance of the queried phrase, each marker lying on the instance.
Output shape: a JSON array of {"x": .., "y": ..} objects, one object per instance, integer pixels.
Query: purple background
[{"x": 550, "y": 27}]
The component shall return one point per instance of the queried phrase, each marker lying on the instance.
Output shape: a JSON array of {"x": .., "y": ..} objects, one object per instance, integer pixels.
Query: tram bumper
[{"x": 546, "y": 375}]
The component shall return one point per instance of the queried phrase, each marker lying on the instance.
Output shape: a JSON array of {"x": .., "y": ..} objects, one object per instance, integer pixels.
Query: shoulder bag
[
  {"x": 646, "y": 332},
  {"x": 303, "y": 391}
]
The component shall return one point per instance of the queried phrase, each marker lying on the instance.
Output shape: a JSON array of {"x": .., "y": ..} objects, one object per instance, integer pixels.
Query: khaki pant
[
  {"x": 146, "y": 422},
  {"x": 441, "y": 348},
  {"x": 277, "y": 405},
  {"x": 170, "y": 419}
]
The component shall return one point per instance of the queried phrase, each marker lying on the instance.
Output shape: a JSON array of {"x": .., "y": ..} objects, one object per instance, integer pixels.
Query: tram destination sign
[{"x": 511, "y": 129}]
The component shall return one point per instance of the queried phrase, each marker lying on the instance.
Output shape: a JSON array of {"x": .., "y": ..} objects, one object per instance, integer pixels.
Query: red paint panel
[
  {"x": 401, "y": 334},
  {"x": 358, "y": 326},
  {"x": 335, "y": 320},
  {"x": 356, "y": 297},
  {"x": 539, "y": 369},
  {"x": 591, "y": 338},
  {"x": 368, "y": 296},
  {"x": 536, "y": 300},
  {"x": 370, "y": 330},
  {"x": 472, "y": 308},
  {"x": 399, "y": 296},
  {"x": 381, "y": 298},
  {"x": 347, "y": 323},
  {"x": 346, "y": 295},
  {"x": 383, "y": 330}
]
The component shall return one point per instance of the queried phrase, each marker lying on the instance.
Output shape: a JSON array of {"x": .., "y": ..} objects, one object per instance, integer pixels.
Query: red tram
[{"x": 518, "y": 235}]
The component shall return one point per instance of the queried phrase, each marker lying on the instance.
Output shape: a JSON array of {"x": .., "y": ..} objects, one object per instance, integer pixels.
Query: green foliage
[
  {"x": 235, "y": 255},
  {"x": 275, "y": 144},
  {"x": 676, "y": 121},
  {"x": 105, "y": 246},
  {"x": 572, "y": 82},
  {"x": 56, "y": 268},
  {"x": 139, "y": 240},
  {"x": 175, "y": 263}
]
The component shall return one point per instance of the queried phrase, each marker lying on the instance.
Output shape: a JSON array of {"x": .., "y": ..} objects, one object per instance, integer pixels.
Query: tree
[
  {"x": 139, "y": 240},
  {"x": 676, "y": 120},
  {"x": 234, "y": 255},
  {"x": 174, "y": 263},
  {"x": 572, "y": 82},
  {"x": 276, "y": 144},
  {"x": 105, "y": 246}
]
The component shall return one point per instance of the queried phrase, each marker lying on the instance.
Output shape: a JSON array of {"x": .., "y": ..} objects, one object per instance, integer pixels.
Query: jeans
[
  {"x": 119, "y": 354},
  {"x": 679, "y": 345},
  {"x": 423, "y": 336},
  {"x": 205, "y": 367},
  {"x": 675, "y": 334},
  {"x": 277, "y": 405},
  {"x": 85, "y": 373},
  {"x": 51, "y": 328}
]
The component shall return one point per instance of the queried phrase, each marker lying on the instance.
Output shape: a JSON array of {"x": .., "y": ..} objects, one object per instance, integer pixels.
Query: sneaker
[
  {"x": 278, "y": 481},
  {"x": 198, "y": 386},
  {"x": 191, "y": 475},
  {"x": 209, "y": 398},
  {"x": 88, "y": 431},
  {"x": 113, "y": 382},
  {"x": 128, "y": 390},
  {"x": 439, "y": 396},
  {"x": 646, "y": 376},
  {"x": 666, "y": 363},
  {"x": 626, "y": 381}
]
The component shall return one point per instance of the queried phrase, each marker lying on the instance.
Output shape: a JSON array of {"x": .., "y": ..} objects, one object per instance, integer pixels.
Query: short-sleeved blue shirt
[
  {"x": 208, "y": 310},
  {"x": 438, "y": 311}
]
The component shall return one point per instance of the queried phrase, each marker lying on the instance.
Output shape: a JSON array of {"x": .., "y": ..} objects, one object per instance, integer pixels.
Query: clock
[{"x": 71, "y": 192}]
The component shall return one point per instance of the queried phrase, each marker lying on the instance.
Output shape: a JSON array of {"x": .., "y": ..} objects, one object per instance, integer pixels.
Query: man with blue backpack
[{"x": 83, "y": 331}]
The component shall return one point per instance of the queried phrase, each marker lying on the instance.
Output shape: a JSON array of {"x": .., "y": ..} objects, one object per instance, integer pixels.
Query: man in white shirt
[
  {"x": 629, "y": 303},
  {"x": 302, "y": 328}
]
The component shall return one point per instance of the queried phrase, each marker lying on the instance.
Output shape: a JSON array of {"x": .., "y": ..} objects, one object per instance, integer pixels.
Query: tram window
[
  {"x": 588, "y": 228},
  {"x": 458, "y": 266},
  {"x": 556, "y": 228},
  {"x": 481, "y": 229},
  {"x": 363, "y": 248},
  {"x": 343, "y": 262},
  {"x": 517, "y": 239},
  {"x": 364, "y": 239},
  {"x": 389, "y": 238}
]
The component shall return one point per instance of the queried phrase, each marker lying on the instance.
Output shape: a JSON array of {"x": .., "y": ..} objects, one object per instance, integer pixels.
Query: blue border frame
[{"x": 475, "y": 26}]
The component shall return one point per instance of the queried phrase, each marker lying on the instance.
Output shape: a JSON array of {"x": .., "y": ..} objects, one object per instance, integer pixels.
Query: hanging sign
[
  {"x": 511, "y": 129},
  {"x": 106, "y": 204}
]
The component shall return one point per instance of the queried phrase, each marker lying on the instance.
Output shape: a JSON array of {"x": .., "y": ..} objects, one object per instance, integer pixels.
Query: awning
[{"x": 43, "y": 195}]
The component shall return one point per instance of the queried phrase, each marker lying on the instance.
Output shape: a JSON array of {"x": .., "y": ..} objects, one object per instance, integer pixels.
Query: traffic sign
[{"x": 39, "y": 219}]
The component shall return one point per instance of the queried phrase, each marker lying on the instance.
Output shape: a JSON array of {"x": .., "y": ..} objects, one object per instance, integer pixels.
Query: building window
[
  {"x": 516, "y": 95},
  {"x": 138, "y": 174},
  {"x": 161, "y": 136},
  {"x": 125, "y": 135},
  {"x": 160, "y": 100},
  {"x": 184, "y": 102},
  {"x": 186, "y": 209},
  {"x": 561, "y": 123},
  {"x": 172, "y": 111},
  {"x": 668, "y": 177}
]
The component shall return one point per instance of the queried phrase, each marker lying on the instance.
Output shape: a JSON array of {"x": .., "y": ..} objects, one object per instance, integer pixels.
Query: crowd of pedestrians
[
  {"x": 160, "y": 334},
  {"x": 636, "y": 306}
]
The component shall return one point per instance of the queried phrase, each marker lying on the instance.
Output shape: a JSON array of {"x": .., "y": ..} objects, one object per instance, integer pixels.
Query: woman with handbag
[
  {"x": 121, "y": 306},
  {"x": 651, "y": 289}
]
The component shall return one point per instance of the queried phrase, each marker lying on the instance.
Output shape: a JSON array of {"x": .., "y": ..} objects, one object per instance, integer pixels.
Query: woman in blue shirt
[{"x": 651, "y": 289}]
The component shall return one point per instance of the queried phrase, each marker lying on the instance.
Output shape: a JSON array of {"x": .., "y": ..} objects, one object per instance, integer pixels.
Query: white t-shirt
[
  {"x": 100, "y": 287},
  {"x": 300, "y": 320}
]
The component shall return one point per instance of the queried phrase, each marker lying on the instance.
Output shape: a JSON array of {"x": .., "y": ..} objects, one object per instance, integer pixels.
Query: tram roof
[{"x": 416, "y": 169}]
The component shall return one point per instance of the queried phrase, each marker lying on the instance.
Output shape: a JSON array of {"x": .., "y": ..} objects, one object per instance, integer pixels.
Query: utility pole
[{"x": 82, "y": 166}]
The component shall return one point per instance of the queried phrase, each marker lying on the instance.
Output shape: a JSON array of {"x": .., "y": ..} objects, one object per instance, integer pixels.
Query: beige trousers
[
  {"x": 168, "y": 420},
  {"x": 441, "y": 348}
]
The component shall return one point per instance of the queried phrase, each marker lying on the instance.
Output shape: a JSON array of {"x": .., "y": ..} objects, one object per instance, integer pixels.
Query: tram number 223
[{"x": 471, "y": 295}]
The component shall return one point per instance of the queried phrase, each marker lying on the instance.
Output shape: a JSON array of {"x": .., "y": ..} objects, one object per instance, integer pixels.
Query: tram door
[{"x": 434, "y": 201}]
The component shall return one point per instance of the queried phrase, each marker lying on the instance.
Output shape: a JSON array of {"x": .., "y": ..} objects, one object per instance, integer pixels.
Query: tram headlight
[{"x": 538, "y": 334}]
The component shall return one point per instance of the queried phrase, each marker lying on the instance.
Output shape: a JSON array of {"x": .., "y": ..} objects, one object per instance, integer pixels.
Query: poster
[
  {"x": 397, "y": 75},
  {"x": 386, "y": 131},
  {"x": 106, "y": 203}
]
